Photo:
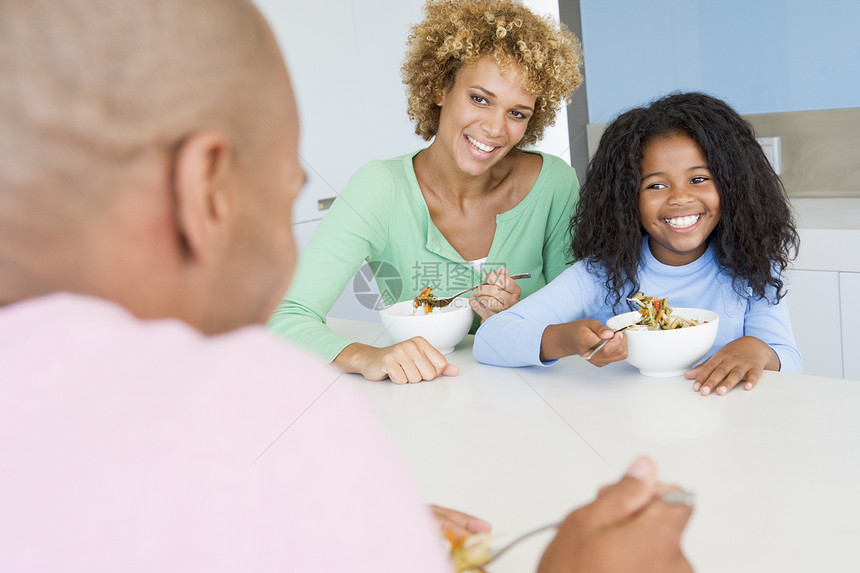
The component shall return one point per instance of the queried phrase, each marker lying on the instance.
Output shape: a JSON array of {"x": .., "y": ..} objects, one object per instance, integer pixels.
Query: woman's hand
[
  {"x": 459, "y": 524},
  {"x": 410, "y": 361},
  {"x": 628, "y": 528},
  {"x": 499, "y": 292},
  {"x": 743, "y": 359},
  {"x": 560, "y": 340}
]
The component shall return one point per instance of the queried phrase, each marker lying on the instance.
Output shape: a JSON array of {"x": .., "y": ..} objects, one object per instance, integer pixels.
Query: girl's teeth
[
  {"x": 479, "y": 145},
  {"x": 682, "y": 222}
]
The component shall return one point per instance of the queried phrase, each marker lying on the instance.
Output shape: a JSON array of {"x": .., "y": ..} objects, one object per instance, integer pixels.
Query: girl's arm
[
  {"x": 577, "y": 337},
  {"x": 547, "y": 227},
  {"x": 515, "y": 337},
  {"x": 768, "y": 344}
]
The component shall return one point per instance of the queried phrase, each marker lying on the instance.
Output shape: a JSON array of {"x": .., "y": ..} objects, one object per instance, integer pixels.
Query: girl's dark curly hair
[{"x": 754, "y": 241}]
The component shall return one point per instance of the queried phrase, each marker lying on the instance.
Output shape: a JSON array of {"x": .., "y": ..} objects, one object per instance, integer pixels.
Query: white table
[{"x": 776, "y": 471}]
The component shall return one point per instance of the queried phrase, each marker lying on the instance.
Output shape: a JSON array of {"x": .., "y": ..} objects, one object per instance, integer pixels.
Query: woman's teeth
[
  {"x": 479, "y": 146},
  {"x": 682, "y": 222}
]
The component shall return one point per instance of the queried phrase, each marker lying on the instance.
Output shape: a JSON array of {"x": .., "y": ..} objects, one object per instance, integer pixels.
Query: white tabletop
[{"x": 776, "y": 470}]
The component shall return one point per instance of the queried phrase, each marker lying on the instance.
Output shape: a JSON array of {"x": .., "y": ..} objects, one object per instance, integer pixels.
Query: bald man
[{"x": 147, "y": 170}]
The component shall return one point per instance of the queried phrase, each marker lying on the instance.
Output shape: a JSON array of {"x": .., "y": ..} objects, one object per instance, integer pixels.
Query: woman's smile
[
  {"x": 483, "y": 115},
  {"x": 483, "y": 148}
]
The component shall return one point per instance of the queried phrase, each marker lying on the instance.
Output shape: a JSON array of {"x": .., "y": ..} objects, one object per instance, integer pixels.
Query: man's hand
[
  {"x": 628, "y": 528},
  {"x": 459, "y": 524}
]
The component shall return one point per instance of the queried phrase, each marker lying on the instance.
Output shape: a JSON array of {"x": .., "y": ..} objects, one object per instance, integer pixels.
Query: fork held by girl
[{"x": 679, "y": 201}]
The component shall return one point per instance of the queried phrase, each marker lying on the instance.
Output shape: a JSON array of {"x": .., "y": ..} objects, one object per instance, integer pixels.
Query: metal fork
[
  {"x": 589, "y": 354},
  {"x": 443, "y": 302},
  {"x": 676, "y": 497}
]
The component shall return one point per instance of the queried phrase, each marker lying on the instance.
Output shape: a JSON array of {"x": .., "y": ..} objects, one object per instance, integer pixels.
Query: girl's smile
[
  {"x": 679, "y": 204},
  {"x": 681, "y": 223}
]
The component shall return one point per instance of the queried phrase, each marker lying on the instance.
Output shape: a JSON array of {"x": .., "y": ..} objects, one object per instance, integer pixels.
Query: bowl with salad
[
  {"x": 664, "y": 341},
  {"x": 442, "y": 326}
]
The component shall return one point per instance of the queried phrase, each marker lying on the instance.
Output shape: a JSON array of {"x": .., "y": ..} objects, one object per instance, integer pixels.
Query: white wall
[{"x": 344, "y": 57}]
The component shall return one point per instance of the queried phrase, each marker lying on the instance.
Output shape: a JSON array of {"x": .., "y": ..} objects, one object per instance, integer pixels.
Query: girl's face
[
  {"x": 484, "y": 115},
  {"x": 679, "y": 205}
]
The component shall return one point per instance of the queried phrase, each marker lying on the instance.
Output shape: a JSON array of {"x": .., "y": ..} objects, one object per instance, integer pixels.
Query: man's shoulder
[
  {"x": 67, "y": 351},
  {"x": 252, "y": 451},
  {"x": 73, "y": 327}
]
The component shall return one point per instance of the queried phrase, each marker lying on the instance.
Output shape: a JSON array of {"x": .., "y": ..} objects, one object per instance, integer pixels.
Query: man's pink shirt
[{"x": 129, "y": 445}]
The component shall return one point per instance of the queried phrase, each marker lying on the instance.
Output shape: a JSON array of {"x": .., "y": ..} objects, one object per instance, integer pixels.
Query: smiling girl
[
  {"x": 679, "y": 201},
  {"x": 484, "y": 79}
]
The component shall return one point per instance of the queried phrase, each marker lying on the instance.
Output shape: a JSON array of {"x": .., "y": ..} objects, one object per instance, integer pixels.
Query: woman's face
[
  {"x": 679, "y": 205},
  {"x": 484, "y": 115}
]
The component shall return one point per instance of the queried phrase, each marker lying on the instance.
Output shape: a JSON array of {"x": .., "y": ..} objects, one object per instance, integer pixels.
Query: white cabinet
[
  {"x": 824, "y": 289},
  {"x": 825, "y": 315},
  {"x": 813, "y": 302},
  {"x": 849, "y": 296}
]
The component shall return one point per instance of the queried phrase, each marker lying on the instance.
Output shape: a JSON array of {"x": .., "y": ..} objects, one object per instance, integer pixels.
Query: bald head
[
  {"x": 94, "y": 80},
  {"x": 119, "y": 119}
]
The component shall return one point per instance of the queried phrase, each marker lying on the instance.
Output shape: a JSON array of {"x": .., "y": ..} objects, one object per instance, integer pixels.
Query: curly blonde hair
[{"x": 456, "y": 33}]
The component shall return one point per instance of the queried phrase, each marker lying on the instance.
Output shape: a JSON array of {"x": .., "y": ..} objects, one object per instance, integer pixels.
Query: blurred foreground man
[{"x": 147, "y": 170}]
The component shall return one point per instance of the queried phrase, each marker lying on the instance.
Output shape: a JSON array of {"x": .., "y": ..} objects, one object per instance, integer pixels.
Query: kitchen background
[{"x": 791, "y": 66}]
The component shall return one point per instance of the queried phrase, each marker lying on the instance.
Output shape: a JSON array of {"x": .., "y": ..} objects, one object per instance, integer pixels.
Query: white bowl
[
  {"x": 668, "y": 352},
  {"x": 443, "y": 328}
]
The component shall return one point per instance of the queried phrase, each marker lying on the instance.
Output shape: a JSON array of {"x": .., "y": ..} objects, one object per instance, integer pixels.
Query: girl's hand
[
  {"x": 499, "y": 292},
  {"x": 743, "y": 359},
  {"x": 614, "y": 350},
  {"x": 560, "y": 340}
]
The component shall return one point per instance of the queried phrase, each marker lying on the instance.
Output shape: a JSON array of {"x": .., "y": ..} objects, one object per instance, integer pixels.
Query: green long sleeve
[{"x": 381, "y": 217}]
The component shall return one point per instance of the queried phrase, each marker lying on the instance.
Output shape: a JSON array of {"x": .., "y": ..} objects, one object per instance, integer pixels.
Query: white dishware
[
  {"x": 661, "y": 353},
  {"x": 443, "y": 328}
]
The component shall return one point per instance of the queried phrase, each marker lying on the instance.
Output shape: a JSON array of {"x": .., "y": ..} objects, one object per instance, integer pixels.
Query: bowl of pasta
[
  {"x": 666, "y": 341},
  {"x": 442, "y": 327}
]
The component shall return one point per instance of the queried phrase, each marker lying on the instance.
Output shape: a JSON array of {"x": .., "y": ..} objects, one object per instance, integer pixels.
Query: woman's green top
[{"x": 381, "y": 217}]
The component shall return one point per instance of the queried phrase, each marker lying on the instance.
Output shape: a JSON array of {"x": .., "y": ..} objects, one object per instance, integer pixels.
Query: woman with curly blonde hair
[{"x": 484, "y": 79}]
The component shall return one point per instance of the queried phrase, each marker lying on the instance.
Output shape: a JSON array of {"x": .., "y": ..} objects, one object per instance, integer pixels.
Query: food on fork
[
  {"x": 426, "y": 298},
  {"x": 469, "y": 554},
  {"x": 657, "y": 314}
]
